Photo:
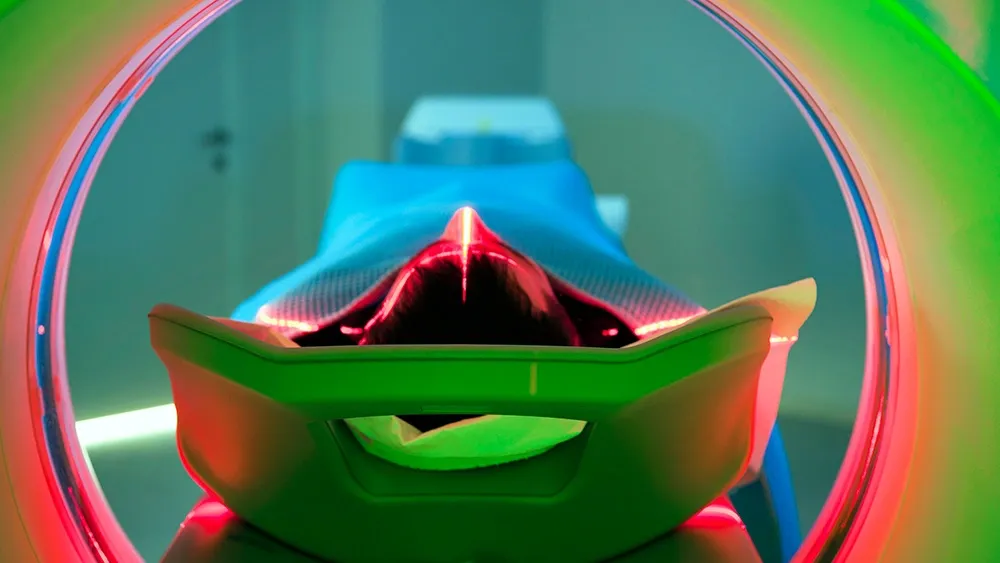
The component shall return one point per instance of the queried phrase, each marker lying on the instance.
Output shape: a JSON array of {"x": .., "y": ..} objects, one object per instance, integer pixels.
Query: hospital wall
[
  {"x": 730, "y": 192},
  {"x": 487, "y": 47},
  {"x": 217, "y": 181}
]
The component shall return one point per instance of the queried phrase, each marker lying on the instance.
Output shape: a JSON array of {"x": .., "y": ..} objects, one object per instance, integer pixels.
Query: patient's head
[
  {"x": 476, "y": 298},
  {"x": 479, "y": 298}
]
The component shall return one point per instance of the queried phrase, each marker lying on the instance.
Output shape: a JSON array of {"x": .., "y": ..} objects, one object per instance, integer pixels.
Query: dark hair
[{"x": 485, "y": 301}]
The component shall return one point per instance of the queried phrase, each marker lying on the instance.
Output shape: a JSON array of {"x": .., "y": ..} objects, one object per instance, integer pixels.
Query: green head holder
[{"x": 669, "y": 429}]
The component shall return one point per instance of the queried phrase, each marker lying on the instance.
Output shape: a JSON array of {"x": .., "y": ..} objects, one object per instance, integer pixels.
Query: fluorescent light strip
[{"x": 127, "y": 426}]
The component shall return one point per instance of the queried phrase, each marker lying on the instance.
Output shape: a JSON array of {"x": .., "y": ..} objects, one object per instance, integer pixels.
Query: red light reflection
[
  {"x": 465, "y": 235},
  {"x": 210, "y": 515},
  {"x": 719, "y": 514}
]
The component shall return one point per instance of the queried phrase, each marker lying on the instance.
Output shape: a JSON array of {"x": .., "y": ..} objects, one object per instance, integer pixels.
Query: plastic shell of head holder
[{"x": 670, "y": 429}]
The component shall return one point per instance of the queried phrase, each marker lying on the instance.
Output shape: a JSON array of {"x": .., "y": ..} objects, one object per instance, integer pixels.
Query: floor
[{"x": 149, "y": 474}]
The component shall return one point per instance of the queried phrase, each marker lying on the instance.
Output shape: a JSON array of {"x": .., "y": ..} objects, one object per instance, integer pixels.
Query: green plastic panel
[{"x": 670, "y": 429}]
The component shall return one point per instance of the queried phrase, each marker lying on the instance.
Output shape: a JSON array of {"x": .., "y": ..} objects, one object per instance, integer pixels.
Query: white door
[
  {"x": 217, "y": 182},
  {"x": 153, "y": 230}
]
